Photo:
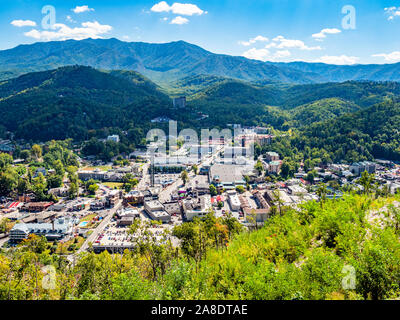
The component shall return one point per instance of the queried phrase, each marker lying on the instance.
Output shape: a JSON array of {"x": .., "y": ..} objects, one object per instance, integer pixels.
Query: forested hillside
[
  {"x": 68, "y": 102},
  {"x": 283, "y": 106},
  {"x": 363, "y": 135},
  {"x": 351, "y": 121}
]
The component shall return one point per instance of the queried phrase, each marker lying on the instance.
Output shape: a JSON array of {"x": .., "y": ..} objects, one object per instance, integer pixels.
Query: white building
[
  {"x": 234, "y": 200},
  {"x": 156, "y": 211},
  {"x": 198, "y": 207},
  {"x": 114, "y": 138}
]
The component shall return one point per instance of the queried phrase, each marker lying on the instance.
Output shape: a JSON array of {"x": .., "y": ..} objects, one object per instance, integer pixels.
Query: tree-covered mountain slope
[
  {"x": 364, "y": 135},
  {"x": 70, "y": 101}
]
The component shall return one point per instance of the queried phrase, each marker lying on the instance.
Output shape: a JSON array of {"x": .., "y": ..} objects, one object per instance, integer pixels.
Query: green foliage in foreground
[{"x": 297, "y": 255}]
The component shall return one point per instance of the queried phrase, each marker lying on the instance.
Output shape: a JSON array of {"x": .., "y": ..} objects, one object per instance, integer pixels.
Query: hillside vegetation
[
  {"x": 304, "y": 254},
  {"x": 69, "y": 102},
  {"x": 348, "y": 121},
  {"x": 363, "y": 135}
]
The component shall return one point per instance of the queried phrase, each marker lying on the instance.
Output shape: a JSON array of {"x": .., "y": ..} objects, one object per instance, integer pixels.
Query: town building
[
  {"x": 255, "y": 214},
  {"x": 359, "y": 167},
  {"x": 127, "y": 217},
  {"x": 133, "y": 198},
  {"x": 274, "y": 167},
  {"x": 196, "y": 207},
  {"x": 226, "y": 177},
  {"x": 155, "y": 209},
  {"x": 114, "y": 138},
  {"x": 52, "y": 231},
  {"x": 36, "y": 206},
  {"x": 271, "y": 156},
  {"x": 234, "y": 200}
]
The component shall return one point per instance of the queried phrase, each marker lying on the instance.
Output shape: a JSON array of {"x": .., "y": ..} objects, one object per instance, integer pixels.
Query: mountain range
[{"x": 168, "y": 62}]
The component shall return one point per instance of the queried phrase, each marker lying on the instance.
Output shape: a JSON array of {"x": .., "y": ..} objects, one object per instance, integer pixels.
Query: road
[
  {"x": 165, "y": 195},
  {"x": 145, "y": 181},
  {"x": 100, "y": 228}
]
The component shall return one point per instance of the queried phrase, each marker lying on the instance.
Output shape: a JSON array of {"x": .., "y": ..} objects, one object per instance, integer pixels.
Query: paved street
[
  {"x": 100, "y": 228},
  {"x": 165, "y": 195}
]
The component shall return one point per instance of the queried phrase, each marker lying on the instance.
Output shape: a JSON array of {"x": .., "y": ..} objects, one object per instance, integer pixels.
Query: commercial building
[
  {"x": 114, "y": 138},
  {"x": 156, "y": 211},
  {"x": 234, "y": 200},
  {"x": 134, "y": 198},
  {"x": 86, "y": 175},
  {"x": 197, "y": 207},
  {"x": 253, "y": 214},
  {"x": 226, "y": 177},
  {"x": 52, "y": 231},
  {"x": 296, "y": 190},
  {"x": 36, "y": 206},
  {"x": 127, "y": 217},
  {"x": 272, "y": 156},
  {"x": 359, "y": 167}
]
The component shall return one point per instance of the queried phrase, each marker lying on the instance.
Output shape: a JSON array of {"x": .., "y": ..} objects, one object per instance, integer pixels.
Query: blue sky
[{"x": 268, "y": 30}]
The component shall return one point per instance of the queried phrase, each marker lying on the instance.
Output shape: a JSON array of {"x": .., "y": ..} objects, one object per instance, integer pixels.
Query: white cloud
[
  {"x": 281, "y": 42},
  {"x": 179, "y": 20},
  {"x": 257, "y": 54},
  {"x": 282, "y": 54},
  {"x": 392, "y": 12},
  {"x": 390, "y": 57},
  {"x": 266, "y": 55},
  {"x": 81, "y": 9},
  {"x": 69, "y": 19},
  {"x": 93, "y": 30},
  {"x": 23, "y": 23},
  {"x": 340, "y": 60},
  {"x": 253, "y": 40},
  {"x": 161, "y": 7},
  {"x": 185, "y": 9},
  {"x": 322, "y": 34}
]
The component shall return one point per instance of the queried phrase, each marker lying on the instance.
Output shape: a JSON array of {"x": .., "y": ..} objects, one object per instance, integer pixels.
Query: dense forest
[
  {"x": 72, "y": 101},
  {"x": 363, "y": 135},
  {"x": 349, "y": 121},
  {"x": 335, "y": 249}
]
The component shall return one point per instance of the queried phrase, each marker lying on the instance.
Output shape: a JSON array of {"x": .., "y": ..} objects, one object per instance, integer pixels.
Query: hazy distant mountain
[
  {"x": 176, "y": 60},
  {"x": 335, "y": 73},
  {"x": 159, "y": 62}
]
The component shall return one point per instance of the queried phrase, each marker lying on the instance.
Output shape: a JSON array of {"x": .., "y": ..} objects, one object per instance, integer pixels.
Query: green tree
[
  {"x": 185, "y": 177},
  {"x": 36, "y": 151},
  {"x": 322, "y": 192},
  {"x": 5, "y": 160},
  {"x": 366, "y": 181},
  {"x": 213, "y": 190},
  {"x": 259, "y": 167}
]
